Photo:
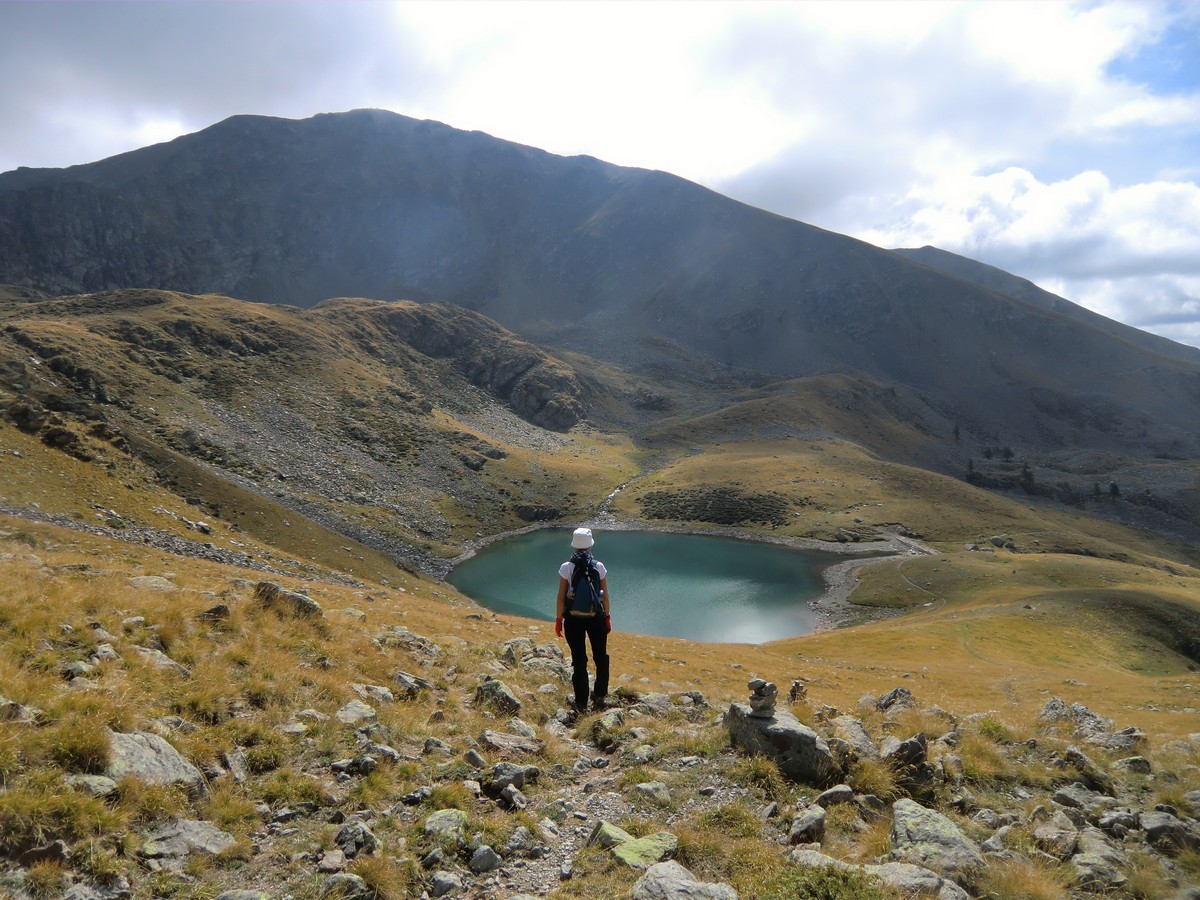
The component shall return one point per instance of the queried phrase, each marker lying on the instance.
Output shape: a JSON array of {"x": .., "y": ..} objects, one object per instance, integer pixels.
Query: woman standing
[{"x": 584, "y": 614}]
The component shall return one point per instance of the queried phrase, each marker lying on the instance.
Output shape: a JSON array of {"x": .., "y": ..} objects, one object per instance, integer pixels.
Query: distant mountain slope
[
  {"x": 579, "y": 253},
  {"x": 1022, "y": 289}
]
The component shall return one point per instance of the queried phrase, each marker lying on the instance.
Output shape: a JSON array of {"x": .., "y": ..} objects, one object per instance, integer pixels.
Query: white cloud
[{"x": 1052, "y": 139}]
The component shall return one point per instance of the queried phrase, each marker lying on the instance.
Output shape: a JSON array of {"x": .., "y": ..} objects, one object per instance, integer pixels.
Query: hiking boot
[{"x": 599, "y": 703}]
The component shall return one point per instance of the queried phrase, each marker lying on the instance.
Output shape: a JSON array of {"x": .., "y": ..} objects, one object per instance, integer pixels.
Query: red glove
[
  {"x": 608, "y": 624},
  {"x": 558, "y": 626}
]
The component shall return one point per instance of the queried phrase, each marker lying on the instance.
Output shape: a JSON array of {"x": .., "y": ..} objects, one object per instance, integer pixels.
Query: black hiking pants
[{"x": 578, "y": 630}]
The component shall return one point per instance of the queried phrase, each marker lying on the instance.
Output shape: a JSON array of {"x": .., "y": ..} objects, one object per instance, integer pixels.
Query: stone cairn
[
  {"x": 762, "y": 698},
  {"x": 797, "y": 693}
]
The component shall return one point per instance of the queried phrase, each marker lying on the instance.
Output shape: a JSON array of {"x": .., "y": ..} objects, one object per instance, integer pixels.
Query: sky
[{"x": 1057, "y": 140}]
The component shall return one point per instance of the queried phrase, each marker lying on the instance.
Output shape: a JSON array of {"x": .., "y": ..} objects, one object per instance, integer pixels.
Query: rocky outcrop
[
  {"x": 927, "y": 838},
  {"x": 671, "y": 881},
  {"x": 800, "y": 752},
  {"x": 149, "y": 758}
]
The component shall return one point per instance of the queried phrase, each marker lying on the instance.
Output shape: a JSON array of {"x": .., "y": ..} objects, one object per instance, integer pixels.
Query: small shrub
[
  {"x": 145, "y": 803},
  {"x": 286, "y": 785},
  {"x": 38, "y": 808},
  {"x": 762, "y": 773},
  {"x": 873, "y": 776},
  {"x": 97, "y": 861},
  {"x": 46, "y": 879},
  {"x": 1023, "y": 880},
  {"x": 791, "y": 881},
  {"x": 995, "y": 730},
  {"x": 731, "y": 820},
  {"x": 78, "y": 745},
  {"x": 452, "y": 795},
  {"x": 387, "y": 879},
  {"x": 229, "y": 808}
]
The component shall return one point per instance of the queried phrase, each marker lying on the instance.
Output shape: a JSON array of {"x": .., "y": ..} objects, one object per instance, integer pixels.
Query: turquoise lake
[{"x": 673, "y": 585}]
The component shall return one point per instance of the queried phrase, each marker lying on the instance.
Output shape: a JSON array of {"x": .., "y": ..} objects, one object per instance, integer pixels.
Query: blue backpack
[{"x": 584, "y": 596}]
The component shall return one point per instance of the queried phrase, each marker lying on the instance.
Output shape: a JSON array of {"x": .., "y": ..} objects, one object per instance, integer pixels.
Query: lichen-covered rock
[
  {"x": 643, "y": 852},
  {"x": 150, "y": 758},
  {"x": 927, "y": 838},
  {"x": 671, "y": 881},
  {"x": 447, "y": 826},
  {"x": 908, "y": 878},
  {"x": 169, "y": 845}
]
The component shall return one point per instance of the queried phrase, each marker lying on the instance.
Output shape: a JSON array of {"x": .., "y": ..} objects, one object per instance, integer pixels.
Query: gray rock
[
  {"x": 447, "y": 826},
  {"x": 504, "y": 774},
  {"x": 271, "y": 596},
  {"x": 172, "y": 843},
  {"x": 1098, "y": 864},
  {"x": 927, "y": 838},
  {"x": 355, "y": 713},
  {"x": 606, "y": 730},
  {"x": 117, "y": 889},
  {"x": 1059, "y": 837},
  {"x": 671, "y": 881},
  {"x": 436, "y": 745},
  {"x": 410, "y": 686},
  {"x": 160, "y": 660},
  {"x": 1136, "y": 765},
  {"x": 854, "y": 734},
  {"x": 896, "y": 700},
  {"x": 354, "y": 838},
  {"x": 495, "y": 694},
  {"x": 521, "y": 843},
  {"x": 92, "y": 785},
  {"x": 656, "y": 791},
  {"x": 484, "y": 859},
  {"x": 373, "y": 692},
  {"x": 908, "y": 878},
  {"x": 801, "y": 754},
  {"x": 149, "y": 758},
  {"x": 154, "y": 583},
  {"x": 808, "y": 826},
  {"x": 442, "y": 883},
  {"x": 1169, "y": 833},
  {"x": 475, "y": 758},
  {"x": 520, "y": 727},
  {"x": 907, "y": 754},
  {"x": 332, "y": 861},
  {"x": 510, "y": 743}
]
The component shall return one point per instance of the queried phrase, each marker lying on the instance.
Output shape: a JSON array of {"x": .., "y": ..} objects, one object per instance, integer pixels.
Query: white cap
[{"x": 582, "y": 538}]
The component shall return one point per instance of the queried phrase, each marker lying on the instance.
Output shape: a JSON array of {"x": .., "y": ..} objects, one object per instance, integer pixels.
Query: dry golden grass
[{"x": 1023, "y": 880}]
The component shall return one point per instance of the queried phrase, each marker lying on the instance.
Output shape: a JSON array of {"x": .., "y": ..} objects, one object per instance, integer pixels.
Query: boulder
[
  {"x": 909, "y": 879},
  {"x": 655, "y": 790},
  {"x": 1098, "y": 864},
  {"x": 168, "y": 846},
  {"x": 801, "y": 754},
  {"x": 354, "y": 837},
  {"x": 854, "y": 734},
  {"x": 927, "y": 838},
  {"x": 149, "y": 758},
  {"x": 671, "y": 881},
  {"x": 495, "y": 694},
  {"x": 643, "y": 852},
  {"x": 447, "y": 826},
  {"x": 271, "y": 596},
  {"x": 510, "y": 743},
  {"x": 355, "y": 713},
  {"x": 484, "y": 859},
  {"x": 606, "y": 730},
  {"x": 808, "y": 826}
]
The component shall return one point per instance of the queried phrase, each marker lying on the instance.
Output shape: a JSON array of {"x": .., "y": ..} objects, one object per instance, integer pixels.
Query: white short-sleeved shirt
[{"x": 567, "y": 569}]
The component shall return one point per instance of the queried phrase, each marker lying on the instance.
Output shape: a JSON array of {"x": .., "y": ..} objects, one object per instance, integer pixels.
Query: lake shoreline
[{"x": 833, "y": 608}]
